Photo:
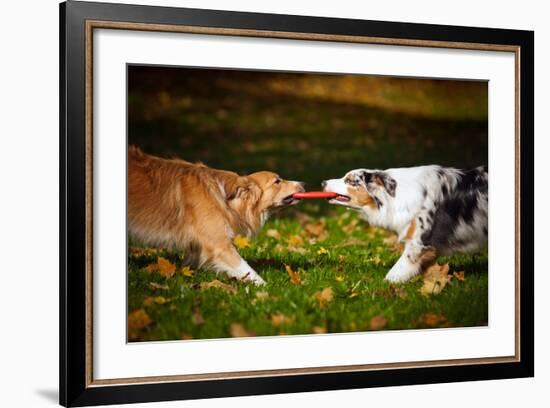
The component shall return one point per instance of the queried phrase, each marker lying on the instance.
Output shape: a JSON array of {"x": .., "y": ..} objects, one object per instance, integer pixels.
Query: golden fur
[{"x": 174, "y": 203}]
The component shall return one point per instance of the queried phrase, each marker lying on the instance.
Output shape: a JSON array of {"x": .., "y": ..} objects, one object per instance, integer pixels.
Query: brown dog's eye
[{"x": 277, "y": 181}]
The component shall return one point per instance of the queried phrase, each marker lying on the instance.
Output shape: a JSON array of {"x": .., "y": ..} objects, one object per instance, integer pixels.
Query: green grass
[
  {"x": 354, "y": 268},
  {"x": 309, "y": 128}
]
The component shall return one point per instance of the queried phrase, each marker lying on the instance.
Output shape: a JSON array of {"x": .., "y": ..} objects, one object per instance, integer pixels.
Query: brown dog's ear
[{"x": 240, "y": 187}]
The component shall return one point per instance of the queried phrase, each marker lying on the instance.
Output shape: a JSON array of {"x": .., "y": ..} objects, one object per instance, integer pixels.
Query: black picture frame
[{"x": 74, "y": 388}]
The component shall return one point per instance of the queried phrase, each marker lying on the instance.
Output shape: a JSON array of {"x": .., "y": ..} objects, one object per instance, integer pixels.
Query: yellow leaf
[
  {"x": 220, "y": 285},
  {"x": 294, "y": 275},
  {"x": 280, "y": 319},
  {"x": 322, "y": 251},
  {"x": 241, "y": 242},
  {"x": 238, "y": 330},
  {"x": 187, "y": 271},
  {"x": 436, "y": 278},
  {"x": 353, "y": 294},
  {"x": 319, "y": 329},
  {"x": 137, "y": 321},
  {"x": 163, "y": 266},
  {"x": 378, "y": 322},
  {"x": 295, "y": 241},
  {"x": 460, "y": 276},
  {"x": 324, "y": 296},
  {"x": 340, "y": 278}
]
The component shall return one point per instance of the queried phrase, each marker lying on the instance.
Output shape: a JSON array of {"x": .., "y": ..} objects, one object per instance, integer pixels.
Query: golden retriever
[{"x": 177, "y": 204}]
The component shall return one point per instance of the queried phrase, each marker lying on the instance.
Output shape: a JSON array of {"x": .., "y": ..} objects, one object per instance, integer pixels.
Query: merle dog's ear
[{"x": 384, "y": 180}]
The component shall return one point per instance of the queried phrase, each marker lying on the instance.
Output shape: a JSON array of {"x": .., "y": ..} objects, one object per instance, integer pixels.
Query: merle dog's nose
[{"x": 323, "y": 183}]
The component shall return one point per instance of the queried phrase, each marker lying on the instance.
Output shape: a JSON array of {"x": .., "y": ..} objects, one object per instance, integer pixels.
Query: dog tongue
[{"x": 315, "y": 194}]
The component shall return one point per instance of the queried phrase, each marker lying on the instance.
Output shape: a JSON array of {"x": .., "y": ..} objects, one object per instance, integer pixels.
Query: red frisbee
[{"x": 315, "y": 194}]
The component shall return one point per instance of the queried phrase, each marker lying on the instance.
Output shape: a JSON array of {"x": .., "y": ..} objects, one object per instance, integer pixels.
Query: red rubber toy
[{"x": 315, "y": 194}]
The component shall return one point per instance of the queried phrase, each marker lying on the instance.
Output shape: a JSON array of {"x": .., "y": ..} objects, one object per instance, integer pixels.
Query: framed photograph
[{"x": 256, "y": 204}]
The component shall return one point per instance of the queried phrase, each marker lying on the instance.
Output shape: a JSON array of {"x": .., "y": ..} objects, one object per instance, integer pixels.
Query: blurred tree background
[{"x": 306, "y": 126}]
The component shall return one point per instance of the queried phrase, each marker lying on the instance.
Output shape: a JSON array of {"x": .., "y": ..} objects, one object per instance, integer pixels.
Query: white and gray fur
[{"x": 432, "y": 209}]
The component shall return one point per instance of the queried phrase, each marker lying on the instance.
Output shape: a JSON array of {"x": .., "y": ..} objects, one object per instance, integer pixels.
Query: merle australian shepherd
[{"x": 434, "y": 210}]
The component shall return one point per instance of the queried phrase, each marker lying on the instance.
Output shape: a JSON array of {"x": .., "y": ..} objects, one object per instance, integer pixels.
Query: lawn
[{"x": 324, "y": 267}]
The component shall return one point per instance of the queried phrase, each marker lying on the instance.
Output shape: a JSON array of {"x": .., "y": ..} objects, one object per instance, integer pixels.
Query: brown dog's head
[
  {"x": 262, "y": 190},
  {"x": 275, "y": 192}
]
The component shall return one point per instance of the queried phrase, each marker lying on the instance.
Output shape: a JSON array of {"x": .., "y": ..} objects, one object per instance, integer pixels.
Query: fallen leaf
[
  {"x": 378, "y": 322},
  {"x": 241, "y": 242},
  {"x": 295, "y": 241},
  {"x": 280, "y": 319},
  {"x": 187, "y": 271},
  {"x": 319, "y": 329},
  {"x": 322, "y": 251},
  {"x": 137, "y": 321},
  {"x": 186, "y": 336},
  {"x": 460, "y": 276},
  {"x": 349, "y": 228},
  {"x": 238, "y": 330},
  {"x": 340, "y": 278},
  {"x": 324, "y": 296},
  {"x": 432, "y": 320},
  {"x": 261, "y": 295},
  {"x": 317, "y": 230},
  {"x": 436, "y": 278},
  {"x": 155, "y": 285},
  {"x": 295, "y": 277},
  {"x": 353, "y": 294},
  {"x": 218, "y": 284},
  {"x": 163, "y": 266},
  {"x": 273, "y": 233},
  {"x": 159, "y": 300},
  {"x": 197, "y": 317}
]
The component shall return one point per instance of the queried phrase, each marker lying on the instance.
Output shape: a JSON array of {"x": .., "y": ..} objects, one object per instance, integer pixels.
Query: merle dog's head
[{"x": 362, "y": 189}]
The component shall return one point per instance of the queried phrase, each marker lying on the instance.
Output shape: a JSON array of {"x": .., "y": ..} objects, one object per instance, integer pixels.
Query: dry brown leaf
[
  {"x": 163, "y": 266},
  {"x": 155, "y": 285},
  {"x": 261, "y": 295},
  {"x": 238, "y": 330},
  {"x": 220, "y": 285},
  {"x": 460, "y": 276},
  {"x": 273, "y": 233},
  {"x": 432, "y": 320},
  {"x": 197, "y": 317},
  {"x": 295, "y": 277},
  {"x": 279, "y": 319},
  {"x": 324, "y": 296},
  {"x": 319, "y": 329},
  {"x": 137, "y": 321},
  {"x": 186, "y": 336},
  {"x": 378, "y": 322},
  {"x": 241, "y": 242},
  {"x": 436, "y": 278},
  {"x": 349, "y": 228},
  {"x": 317, "y": 229}
]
